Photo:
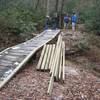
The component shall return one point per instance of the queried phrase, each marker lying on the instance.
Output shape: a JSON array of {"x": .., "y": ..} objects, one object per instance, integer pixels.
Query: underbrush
[{"x": 88, "y": 54}]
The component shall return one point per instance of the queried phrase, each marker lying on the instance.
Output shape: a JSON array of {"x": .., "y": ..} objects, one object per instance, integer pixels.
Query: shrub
[{"x": 19, "y": 18}]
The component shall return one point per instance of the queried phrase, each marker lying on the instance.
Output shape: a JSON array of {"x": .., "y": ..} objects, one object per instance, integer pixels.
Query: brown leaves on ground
[{"x": 29, "y": 84}]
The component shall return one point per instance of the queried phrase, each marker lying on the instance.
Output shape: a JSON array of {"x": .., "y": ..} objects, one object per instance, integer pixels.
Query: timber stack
[{"x": 52, "y": 59}]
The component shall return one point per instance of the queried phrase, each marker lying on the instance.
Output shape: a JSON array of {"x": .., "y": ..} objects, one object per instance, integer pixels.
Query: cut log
[
  {"x": 60, "y": 64},
  {"x": 45, "y": 58},
  {"x": 52, "y": 56},
  {"x": 50, "y": 87},
  {"x": 63, "y": 76},
  {"x": 48, "y": 57},
  {"x": 53, "y": 64},
  {"x": 57, "y": 59},
  {"x": 41, "y": 58}
]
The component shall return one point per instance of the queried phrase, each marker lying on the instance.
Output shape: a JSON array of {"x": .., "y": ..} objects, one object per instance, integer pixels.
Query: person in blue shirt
[{"x": 74, "y": 21}]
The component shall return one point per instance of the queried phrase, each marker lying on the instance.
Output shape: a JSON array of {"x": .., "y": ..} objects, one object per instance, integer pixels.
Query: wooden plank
[
  {"x": 41, "y": 57},
  {"x": 12, "y": 59},
  {"x": 5, "y": 61},
  {"x": 6, "y": 64},
  {"x": 17, "y": 54},
  {"x": 53, "y": 64},
  {"x": 28, "y": 47},
  {"x": 57, "y": 59},
  {"x": 52, "y": 55},
  {"x": 4, "y": 50},
  {"x": 26, "y": 59},
  {"x": 50, "y": 87},
  {"x": 5, "y": 72},
  {"x": 60, "y": 64},
  {"x": 27, "y": 51},
  {"x": 4, "y": 69},
  {"x": 45, "y": 58},
  {"x": 63, "y": 76},
  {"x": 48, "y": 57}
]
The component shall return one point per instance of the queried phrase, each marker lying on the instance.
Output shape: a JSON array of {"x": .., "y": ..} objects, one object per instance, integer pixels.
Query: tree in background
[{"x": 93, "y": 23}]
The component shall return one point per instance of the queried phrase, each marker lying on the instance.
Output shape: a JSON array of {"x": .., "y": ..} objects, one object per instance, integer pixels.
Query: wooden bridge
[{"x": 13, "y": 58}]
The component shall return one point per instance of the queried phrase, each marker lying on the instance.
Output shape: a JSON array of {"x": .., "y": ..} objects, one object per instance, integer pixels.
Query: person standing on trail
[
  {"x": 55, "y": 21},
  {"x": 74, "y": 21},
  {"x": 47, "y": 21},
  {"x": 66, "y": 21}
]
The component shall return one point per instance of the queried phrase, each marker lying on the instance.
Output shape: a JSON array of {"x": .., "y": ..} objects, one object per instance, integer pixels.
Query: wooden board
[{"x": 22, "y": 50}]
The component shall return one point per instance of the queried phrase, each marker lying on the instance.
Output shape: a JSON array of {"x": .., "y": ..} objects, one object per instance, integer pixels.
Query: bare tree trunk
[
  {"x": 61, "y": 13},
  {"x": 62, "y": 6},
  {"x": 48, "y": 7},
  {"x": 38, "y": 1},
  {"x": 56, "y": 6}
]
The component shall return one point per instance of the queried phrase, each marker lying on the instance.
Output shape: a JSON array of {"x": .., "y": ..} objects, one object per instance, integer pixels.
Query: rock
[
  {"x": 98, "y": 90},
  {"x": 58, "y": 98},
  {"x": 98, "y": 81}
]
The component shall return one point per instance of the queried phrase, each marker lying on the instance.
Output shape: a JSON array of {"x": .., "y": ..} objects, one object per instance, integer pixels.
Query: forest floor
[{"x": 80, "y": 82}]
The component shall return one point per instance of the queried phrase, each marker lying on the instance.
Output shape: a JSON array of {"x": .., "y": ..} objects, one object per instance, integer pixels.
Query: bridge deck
[{"x": 13, "y": 58}]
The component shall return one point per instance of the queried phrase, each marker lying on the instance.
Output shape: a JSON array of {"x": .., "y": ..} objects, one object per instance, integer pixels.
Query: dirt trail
[{"x": 29, "y": 84}]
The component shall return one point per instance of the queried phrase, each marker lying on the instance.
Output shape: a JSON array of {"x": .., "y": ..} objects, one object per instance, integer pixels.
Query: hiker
[
  {"x": 74, "y": 21},
  {"x": 66, "y": 21},
  {"x": 55, "y": 21},
  {"x": 47, "y": 22}
]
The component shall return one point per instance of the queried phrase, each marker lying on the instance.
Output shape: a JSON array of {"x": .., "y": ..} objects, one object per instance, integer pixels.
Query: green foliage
[
  {"x": 82, "y": 45},
  {"x": 88, "y": 12},
  {"x": 92, "y": 22},
  {"x": 70, "y": 6},
  {"x": 18, "y": 17}
]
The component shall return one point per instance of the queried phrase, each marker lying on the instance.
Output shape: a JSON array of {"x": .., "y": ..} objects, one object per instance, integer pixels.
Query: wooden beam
[
  {"x": 41, "y": 58},
  {"x": 45, "y": 58},
  {"x": 52, "y": 55},
  {"x": 27, "y": 58},
  {"x": 50, "y": 87},
  {"x": 60, "y": 64},
  {"x": 48, "y": 57},
  {"x": 57, "y": 61},
  {"x": 63, "y": 76}
]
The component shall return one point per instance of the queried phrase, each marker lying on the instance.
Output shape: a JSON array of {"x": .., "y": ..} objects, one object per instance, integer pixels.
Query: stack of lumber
[{"x": 53, "y": 59}]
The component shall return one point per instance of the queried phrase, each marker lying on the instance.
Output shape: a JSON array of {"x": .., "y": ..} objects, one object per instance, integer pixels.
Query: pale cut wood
[
  {"x": 12, "y": 59},
  {"x": 52, "y": 56},
  {"x": 5, "y": 61},
  {"x": 63, "y": 76},
  {"x": 48, "y": 57},
  {"x": 4, "y": 50},
  {"x": 58, "y": 57},
  {"x": 53, "y": 64},
  {"x": 50, "y": 87},
  {"x": 29, "y": 56},
  {"x": 45, "y": 58},
  {"x": 41, "y": 57},
  {"x": 5, "y": 64},
  {"x": 20, "y": 51},
  {"x": 16, "y": 54},
  {"x": 60, "y": 67}
]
